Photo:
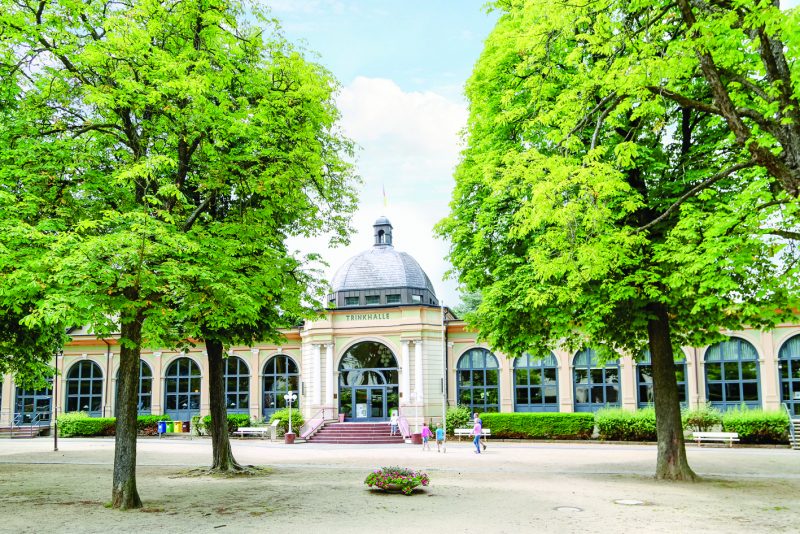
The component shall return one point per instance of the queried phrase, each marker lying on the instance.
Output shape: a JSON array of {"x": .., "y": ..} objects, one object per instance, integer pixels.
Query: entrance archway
[{"x": 368, "y": 382}]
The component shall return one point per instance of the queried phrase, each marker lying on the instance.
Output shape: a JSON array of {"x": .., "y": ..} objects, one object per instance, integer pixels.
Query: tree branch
[
  {"x": 196, "y": 213},
  {"x": 699, "y": 187}
]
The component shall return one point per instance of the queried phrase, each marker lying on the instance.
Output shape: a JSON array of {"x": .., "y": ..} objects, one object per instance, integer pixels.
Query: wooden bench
[
  {"x": 459, "y": 432},
  {"x": 260, "y": 431},
  {"x": 728, "y": 437}
]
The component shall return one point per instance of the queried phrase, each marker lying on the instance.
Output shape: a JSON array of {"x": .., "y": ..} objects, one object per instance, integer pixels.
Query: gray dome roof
[{"x": 381, "y": 267}]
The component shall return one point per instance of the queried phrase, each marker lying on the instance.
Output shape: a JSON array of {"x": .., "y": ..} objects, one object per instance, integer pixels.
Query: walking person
[
  {"x": 426, "y": 435},
  {"x": 476, "y": 431},
  {"x": 393, "y": 422},
  {"x": 480, "y": 422},
  {"x": 440, "y": 445}
]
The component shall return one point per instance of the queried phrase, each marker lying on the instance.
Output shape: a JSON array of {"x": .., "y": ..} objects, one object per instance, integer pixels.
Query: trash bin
[
  {"x": 162, "y": 427},
  {"x": 288, "y": 438},
  {"x": 185, "y": 426},
  {"x": 170, "y": 426},
  {"x": 178, "y": 426},
  {"x": 416, "y": 439}
]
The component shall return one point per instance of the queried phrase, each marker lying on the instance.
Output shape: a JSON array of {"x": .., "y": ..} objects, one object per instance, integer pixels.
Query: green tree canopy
[
  {"x": 162, "y": 151},
  {"x": 590, "y": 210}
]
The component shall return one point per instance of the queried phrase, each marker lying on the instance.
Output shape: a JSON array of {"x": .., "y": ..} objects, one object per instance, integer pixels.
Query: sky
[{"x": 402, "y": 66}]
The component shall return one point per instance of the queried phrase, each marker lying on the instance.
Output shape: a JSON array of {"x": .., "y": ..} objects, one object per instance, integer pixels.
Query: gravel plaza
[{"x": 512, "y": 487}]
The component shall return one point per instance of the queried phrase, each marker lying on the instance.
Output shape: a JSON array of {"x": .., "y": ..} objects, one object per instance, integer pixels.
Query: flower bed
[{"x": 402, "y": 478}]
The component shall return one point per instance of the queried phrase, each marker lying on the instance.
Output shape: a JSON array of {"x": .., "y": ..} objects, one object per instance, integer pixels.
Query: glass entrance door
[{"x": 370, "y": 404}]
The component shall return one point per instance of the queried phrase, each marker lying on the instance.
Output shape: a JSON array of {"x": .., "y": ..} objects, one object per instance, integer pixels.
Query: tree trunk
[
  {"x": 124, "y": 494},
  {"x": 672, "y": 463},
  {"x": 221, "y": 445}
]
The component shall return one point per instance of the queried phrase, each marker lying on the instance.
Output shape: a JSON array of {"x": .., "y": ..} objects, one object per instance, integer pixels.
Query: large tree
[
  {"x": 140, "y": 125},
  {"x": 590, "y": 211}
]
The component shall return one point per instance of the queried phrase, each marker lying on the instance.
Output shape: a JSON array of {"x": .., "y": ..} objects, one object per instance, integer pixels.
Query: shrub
[
  {"x": 235, "y": 420},
  {"x": 458, "y": 417},
  {"x": 283, "y": 415},
  {"x": 147, "y": 425},
  {"x": 539, "y": 425},
  {"x": 402, "y": 477},
  {"x": 625, "y": 425},
  {"x": 757, "y": 426},
  {"x": 701, "y": 419},
  {"x": 80, "y": 424}
]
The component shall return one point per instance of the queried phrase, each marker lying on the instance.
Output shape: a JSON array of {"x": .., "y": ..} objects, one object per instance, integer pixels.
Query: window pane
[
  {"x": 612, "y": 394},
  {"x": 522, "y": 395},
  {"x": 536, "y": 395},
  {"x": 715, "y": 392},
  {"x": 731, "y": 371},
  {"x": 581, "y": 376},
  {"x": 582, "y": 394},
  {"x": 521, "y": 377},
  {"x": 464, "y": 397},
  {"x": 491, "y": 377},
  {"x": 749, "y": 370},
  {"x": 612, "y": 375},
  {"x": 491, "y": 396},
  {"x": 464, "y": 378},
  {"x": 732, "y": 392},
  {"x": 645, "y": 373},
  {"x": 597, "y": 376},
  {"x": 750, "y": 391},
  {"x": 550, "y": 394},
  {"x": 549, "y": 376},
  {"x": 713, "y": 371}
]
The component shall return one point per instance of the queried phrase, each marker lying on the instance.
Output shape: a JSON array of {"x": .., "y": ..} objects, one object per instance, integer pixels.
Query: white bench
[
  {"x": 728, "y": 437},
  {"x": 261, "y": 431},
  {"x": 459, "y": 432}
]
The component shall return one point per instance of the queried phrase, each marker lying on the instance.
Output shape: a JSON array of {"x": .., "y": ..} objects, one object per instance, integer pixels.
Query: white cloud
[{"x": 409, "y": 145}]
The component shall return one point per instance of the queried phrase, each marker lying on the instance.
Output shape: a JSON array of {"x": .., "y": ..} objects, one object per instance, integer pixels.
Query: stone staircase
[
  {"x": 27, "y": 431},
  {"x": 349, "y": 433},
  {"x": 794, "y": 434}
]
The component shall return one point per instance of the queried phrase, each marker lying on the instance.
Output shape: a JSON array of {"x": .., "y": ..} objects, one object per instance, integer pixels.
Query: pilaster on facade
[
  {"x": 157, "y": 393},
  {"x": 564, "y": 379},
  {"x": 255, "y": 383},
  {"x": 7, "y": 400},
  {"x": 405, "y": 373},
  {"x": 329, "y": 376},
  {"x": 627, "y": 382},
  {"x": 419, "y": 384},
  {"x": 768, "y": 366},
  {"x": 205, "y": 398}
]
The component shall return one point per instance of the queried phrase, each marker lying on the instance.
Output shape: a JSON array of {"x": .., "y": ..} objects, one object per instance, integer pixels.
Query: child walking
[
  {"x": 440, "y": 445},
  {"x": 426, "y": 434}
]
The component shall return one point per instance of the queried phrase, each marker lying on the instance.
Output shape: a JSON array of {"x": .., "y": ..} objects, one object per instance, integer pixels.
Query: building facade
[{"x": 386, "y": 344}]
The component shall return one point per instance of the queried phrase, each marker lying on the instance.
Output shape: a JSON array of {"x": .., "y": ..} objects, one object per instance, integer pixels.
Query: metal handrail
[
  {"x": 791, "y": 426},
  {"x": 18, "y": 421},
  {"x": 316, "y": 421},
  {"x": 404, "y": 427}
]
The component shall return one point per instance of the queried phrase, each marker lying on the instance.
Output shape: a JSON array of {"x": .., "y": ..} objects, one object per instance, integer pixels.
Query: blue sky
[{"x": 402, "y": 66}]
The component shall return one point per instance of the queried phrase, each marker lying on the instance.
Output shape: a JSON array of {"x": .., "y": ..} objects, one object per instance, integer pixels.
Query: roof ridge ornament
[{"x": 383, "y": 232}]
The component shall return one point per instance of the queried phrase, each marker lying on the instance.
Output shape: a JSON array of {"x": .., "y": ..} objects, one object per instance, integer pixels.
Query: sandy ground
[{"x": 512, "y": 487}]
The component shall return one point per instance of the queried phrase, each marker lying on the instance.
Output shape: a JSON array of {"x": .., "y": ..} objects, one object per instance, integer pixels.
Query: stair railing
[
  {"x": 792, "y": 435},
  {"x": 316, "y": 421},
  {"x": 404, "y": 427}
]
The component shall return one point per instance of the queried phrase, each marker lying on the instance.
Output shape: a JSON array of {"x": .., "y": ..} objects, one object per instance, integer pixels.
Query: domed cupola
[{"x": 381, "y": 276}]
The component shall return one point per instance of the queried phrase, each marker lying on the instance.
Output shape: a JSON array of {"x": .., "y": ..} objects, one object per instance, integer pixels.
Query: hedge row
[
  {"x": 539, "y": 425},
  {"x": 81, "y": 424},
  {"x": 753, "y": 426},
  {"x": 235, "y": 420}
]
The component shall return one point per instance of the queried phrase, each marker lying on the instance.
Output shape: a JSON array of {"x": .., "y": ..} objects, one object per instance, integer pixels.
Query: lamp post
[{"x": 290, "y": 397}]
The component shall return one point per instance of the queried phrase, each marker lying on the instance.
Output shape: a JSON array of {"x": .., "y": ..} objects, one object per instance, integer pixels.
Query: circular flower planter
[{"x": 397, "y": 479}]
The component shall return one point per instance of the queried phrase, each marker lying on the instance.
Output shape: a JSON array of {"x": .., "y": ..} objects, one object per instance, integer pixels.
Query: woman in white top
[{"x": 393, "y": 422}]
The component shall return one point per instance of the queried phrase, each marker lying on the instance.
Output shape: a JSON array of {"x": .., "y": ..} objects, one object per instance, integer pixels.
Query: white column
[
  {"x": 255, "y": 384},
  {"x": 329, "y": 375},
  {"x": 405, "y": 374},
  {"x": 418, "y": 376},
  {"x": 316, "y": 397}
]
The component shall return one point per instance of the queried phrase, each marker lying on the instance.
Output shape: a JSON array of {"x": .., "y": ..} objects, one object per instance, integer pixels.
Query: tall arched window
[
  {"x": 145, "y": 401},
  {"x": 85, "y": 388},
  {"x": 33, "y": 406},
  {"x": 644, "y": 379},
  {"x": 478, "y": 381},
  {"x": 535, "y": 383},
  {"x": 732, "y": 375},
  {"x": 280, "y": 376},
  {"x": 789, "y": 364},
  {"x": 182, "y": 389},
  {"x": 595, "y": 386},
  {"x": 237, "y": 385}
]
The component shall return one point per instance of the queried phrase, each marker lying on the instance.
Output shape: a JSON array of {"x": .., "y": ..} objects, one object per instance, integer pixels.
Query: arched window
[
  {"x": 33, "y": 406},
  {"x": 85, "y": 388},
  {"x": 789, "y": 364},
  {"x": 144, "y": 403},
  {"x": 280, "y": 376},
  {"x": 732, "y": 375},
  {"x": 595, "y": 386},
  {"x": 478, "y": 381},
  {"x": 644, "y": 379},
  {"x": 182, "y": 389},
  {"x": 535, "y": 384},
  {"x": 237, "y": 385},
  {"x": 369, "y": 382}
]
